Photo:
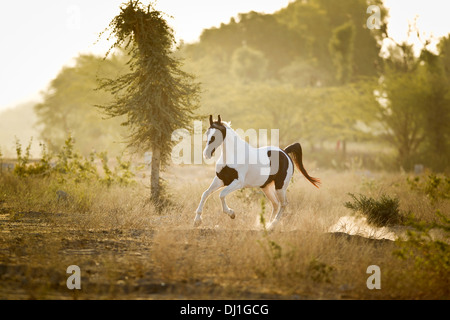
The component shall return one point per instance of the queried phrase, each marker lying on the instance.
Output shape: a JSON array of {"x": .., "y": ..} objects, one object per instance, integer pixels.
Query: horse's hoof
[
  {"x": 231, "y": 214},
  {"x": 272, "y": 226},
  {"x": 197, "y": 222}
]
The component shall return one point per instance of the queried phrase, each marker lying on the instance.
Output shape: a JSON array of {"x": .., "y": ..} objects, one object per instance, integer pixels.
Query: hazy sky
[{"x": 39, "y": 37}]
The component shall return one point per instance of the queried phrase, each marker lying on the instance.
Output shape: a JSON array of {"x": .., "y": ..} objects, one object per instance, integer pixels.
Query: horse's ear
[
  {"x": 210, "y": 120},
  {"x": 220, "y": 120}
]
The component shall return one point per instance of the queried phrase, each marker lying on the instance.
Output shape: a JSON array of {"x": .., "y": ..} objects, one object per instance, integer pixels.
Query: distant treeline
[
  {"x": 308, "y": 43},
  {"x": 313, "y": 70}
]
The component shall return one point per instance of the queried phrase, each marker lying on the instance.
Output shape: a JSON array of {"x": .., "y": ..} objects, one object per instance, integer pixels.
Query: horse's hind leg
[
  {"x": 271, "y": 194},
  {"x": 216, "y": 184},
  {"x": 281, "y": 195},
  {"x": 280, "y": 190}
]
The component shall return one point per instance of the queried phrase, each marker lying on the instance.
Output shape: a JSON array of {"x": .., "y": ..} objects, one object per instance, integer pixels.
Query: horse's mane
[{"x": 226, "y": 124}]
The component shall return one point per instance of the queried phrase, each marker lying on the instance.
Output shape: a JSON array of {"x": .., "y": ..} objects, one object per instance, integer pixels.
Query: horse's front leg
[
  {"x": 216, "y": 184},
  {"x": 233, "y": 186}
]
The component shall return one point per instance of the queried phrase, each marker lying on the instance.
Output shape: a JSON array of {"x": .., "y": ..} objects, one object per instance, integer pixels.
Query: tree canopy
[
  {"x": 68, "y": 106},
  {"x": 156, "y": 97},
  {"x": 312, "y": 70}
]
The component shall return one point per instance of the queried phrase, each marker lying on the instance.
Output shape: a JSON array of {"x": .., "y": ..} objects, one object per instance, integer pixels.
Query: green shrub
[
  {"x": 121, "y": 174},
  {"x": 435, "y": 187},
  {"x": 319, "y": 271},
  {"x": 24, "y": 167},
  {"x": 380, "y": 213},
  {"x": 431, "y": 257},
  {"x": 69, "y": 166}
]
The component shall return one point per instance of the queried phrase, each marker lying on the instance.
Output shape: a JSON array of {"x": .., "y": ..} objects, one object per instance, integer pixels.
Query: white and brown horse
[{"x": 243, "y": 166}]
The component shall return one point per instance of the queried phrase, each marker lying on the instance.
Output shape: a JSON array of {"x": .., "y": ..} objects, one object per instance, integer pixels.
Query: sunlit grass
[{"x": 127, "y": 249}]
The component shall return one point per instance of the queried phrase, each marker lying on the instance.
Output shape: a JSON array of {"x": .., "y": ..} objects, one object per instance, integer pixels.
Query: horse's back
[{"x": 272, "y": 165}]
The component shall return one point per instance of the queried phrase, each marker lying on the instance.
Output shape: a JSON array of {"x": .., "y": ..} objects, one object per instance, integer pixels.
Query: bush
[
  {"x": 319, "y": 271},
  {"x": 435, "y": 187},
  {"x": 431, "y": 257},
  {"x": 380, "y": 213},
  {"x": 24, "y": 167},
  {"x": 69, "y": 166}
]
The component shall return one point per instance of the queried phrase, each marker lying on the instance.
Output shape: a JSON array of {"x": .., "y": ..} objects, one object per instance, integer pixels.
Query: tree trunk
[{"x": 156, "y": 165}]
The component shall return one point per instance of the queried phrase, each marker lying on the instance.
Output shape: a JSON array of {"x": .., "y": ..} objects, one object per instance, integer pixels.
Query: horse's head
[{"x": 215, "y": 135}]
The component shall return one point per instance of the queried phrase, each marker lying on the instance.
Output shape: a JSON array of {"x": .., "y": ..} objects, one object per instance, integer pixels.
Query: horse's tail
[{"x": 295, "y": 152}]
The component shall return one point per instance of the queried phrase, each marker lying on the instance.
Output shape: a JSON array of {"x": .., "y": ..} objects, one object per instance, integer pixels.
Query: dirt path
[{"x": 36, "y": 249}]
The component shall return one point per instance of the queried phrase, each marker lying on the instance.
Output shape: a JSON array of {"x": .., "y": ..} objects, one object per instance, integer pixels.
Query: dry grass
[{"x": 126, "y": 250}]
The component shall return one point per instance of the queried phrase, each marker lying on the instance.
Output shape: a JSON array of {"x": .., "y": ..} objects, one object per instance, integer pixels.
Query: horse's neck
[{"x": 232, "y": 144}]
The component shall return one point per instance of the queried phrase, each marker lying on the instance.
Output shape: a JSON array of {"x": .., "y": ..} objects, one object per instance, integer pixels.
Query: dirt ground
[
  {"x": 126, "y": 250},
  {"x": 36, "y": 249}
]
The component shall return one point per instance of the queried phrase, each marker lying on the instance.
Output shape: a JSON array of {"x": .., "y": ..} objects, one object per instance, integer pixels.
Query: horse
[{"x": 243, "y": 166}]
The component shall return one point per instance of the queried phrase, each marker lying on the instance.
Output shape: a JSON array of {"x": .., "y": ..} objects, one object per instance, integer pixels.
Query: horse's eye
[{"x": 212, "y": 139}]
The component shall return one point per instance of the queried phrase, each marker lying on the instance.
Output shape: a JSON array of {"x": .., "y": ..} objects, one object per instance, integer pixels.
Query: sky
[{"x": 40, "y": 37}]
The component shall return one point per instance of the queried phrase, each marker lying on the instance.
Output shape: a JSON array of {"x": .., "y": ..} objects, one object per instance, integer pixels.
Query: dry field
[{"x": 126, "y": 250}]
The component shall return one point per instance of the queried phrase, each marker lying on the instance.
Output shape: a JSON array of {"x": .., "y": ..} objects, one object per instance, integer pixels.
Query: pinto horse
[{"x": 243, "y": 166}]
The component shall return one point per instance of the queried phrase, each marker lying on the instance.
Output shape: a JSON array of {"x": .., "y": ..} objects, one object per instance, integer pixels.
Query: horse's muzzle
[{"x": 208, "y": 155}]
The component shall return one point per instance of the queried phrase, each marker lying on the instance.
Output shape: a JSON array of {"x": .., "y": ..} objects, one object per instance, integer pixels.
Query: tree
[
  {"x": 437, "y": 116},
  {"x": 302, "y": 32},
  {"x": 444, "y": 54},
  {"x": 341, "y": 49},
  {"x": 156, "y": 97},
  {"x": 68, "y": 106},
  {"x": 415, "y": 106},
  {"x": 367, "y": 43},
  {"x": 248, "y": 64},
  {"x": 401, "y": 114}
]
